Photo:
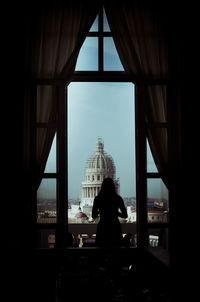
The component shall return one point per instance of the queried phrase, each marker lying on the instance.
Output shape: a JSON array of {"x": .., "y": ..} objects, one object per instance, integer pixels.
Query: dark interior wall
[
  {"x": 185, "y": 28},
  {"x": 12, "y": 107},
  {"x": 12, "y": 83}
]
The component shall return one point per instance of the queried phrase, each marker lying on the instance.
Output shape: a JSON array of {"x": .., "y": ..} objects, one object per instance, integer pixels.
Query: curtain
[
  {"x": 46, "y": 112},
  {"x": 55, "y": 34},
  {"x": 156, "y": 114},
  {"x": 140, "y": 34}
]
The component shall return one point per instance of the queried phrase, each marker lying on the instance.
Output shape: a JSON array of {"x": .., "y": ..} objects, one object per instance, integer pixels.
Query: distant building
[
  {"x": 99, "y": 166},
  {"x": 131, "y": 211},
  {"x": 81, "y": 217},
  {"x": 157, "y": 212}
]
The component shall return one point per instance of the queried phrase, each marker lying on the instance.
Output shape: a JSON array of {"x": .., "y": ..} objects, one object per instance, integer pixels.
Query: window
[
  {"x": 47, "y": 191},
  {"x": 44, "y": 130},
  {"x": 98, "y": 52},
  {"x": 157, "y": 192},
  {"x": 88, "y": 56},
  {"x": 98, "y": 85},
  {"x": 91, "y": 101},
  {"x": 100, "y": 113}
]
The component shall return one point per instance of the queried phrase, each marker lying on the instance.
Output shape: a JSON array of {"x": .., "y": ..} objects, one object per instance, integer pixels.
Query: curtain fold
[
  {"x": 156, "y": 117},
  {"x": 55, "y": 36},
  {"x": 139, "y": 31},
  {"x": 46, "y": 112}
]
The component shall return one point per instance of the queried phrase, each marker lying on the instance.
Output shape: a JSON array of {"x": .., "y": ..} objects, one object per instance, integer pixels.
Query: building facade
[{"x": 98, "y": 166}]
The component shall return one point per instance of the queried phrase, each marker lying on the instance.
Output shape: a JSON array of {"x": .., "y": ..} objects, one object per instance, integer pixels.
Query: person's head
[{"x": 108, "y": 186}]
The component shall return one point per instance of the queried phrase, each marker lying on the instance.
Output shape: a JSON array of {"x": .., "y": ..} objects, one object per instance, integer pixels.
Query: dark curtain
[
  {"x": 140, "y": 34},
  {"x": 156, "y": 119},
  {"x": 55, "y": 35}
]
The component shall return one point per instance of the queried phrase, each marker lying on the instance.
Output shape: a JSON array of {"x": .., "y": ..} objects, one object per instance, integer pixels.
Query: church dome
[
  {"x": 98, "y": 166},
  {"x": 101, "y": 162}
]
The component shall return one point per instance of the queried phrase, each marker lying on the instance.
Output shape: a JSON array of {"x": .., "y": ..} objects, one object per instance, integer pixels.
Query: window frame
[{"x": 61, "y": 176}]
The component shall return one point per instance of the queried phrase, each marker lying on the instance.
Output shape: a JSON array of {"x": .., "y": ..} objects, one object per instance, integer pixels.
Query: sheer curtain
[
  {"x": 55, "y": 36},
  {"x": 140, "y": 35}
]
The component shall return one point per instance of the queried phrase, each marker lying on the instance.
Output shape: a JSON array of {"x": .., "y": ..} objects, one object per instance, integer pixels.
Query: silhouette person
[{"x": 109, "y": 206}]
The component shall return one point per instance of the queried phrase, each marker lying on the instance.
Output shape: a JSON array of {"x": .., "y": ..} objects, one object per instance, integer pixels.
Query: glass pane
[
  {"x": 158, "y": 237},
  {"x": 46, "y": 201},
  {"x": 51, "y": 162},
  {"x": 159, "y": 139},
  {"x": 151, "y": 167},
  {"x": 100, "y": 126},
  {"x": 88, "y": 56},
  {"x": 46, "y": 103},
  {"x": 157, "y": 201},
  {"x": 106, "y": 26},
  {"x": 154, "y": 239},
  {"x": 111, "y": 58},
  {"x": 94, "y": 26}
]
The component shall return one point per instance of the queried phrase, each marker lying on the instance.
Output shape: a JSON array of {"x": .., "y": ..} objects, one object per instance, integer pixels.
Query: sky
[{"x": 106, "y": 111}]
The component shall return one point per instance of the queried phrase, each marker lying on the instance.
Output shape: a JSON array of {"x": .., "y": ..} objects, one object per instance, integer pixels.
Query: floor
[
  {"x": 89, "y": 274},
  {"x": 113, "y": 276}
]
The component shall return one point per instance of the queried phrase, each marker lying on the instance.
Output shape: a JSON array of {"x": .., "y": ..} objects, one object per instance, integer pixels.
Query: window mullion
[
  {"x": 100, "y": 44},
  {"x": 62, "y": 169},
  {"x": 141, "y": 180}
]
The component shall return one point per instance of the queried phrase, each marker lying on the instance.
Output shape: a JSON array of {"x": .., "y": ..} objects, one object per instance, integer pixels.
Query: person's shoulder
[{"x": 119, "y": 198}]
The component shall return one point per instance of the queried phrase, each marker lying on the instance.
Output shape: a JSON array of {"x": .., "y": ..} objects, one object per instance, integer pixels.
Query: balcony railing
[
  {"x": 90, "y": 228},
  {"x": 46, "y": 231},
  {"x": 81, "y": 231}
]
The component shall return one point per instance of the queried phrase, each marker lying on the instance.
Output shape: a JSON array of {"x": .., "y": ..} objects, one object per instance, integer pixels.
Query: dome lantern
[{"x": 100, "y": 146}]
